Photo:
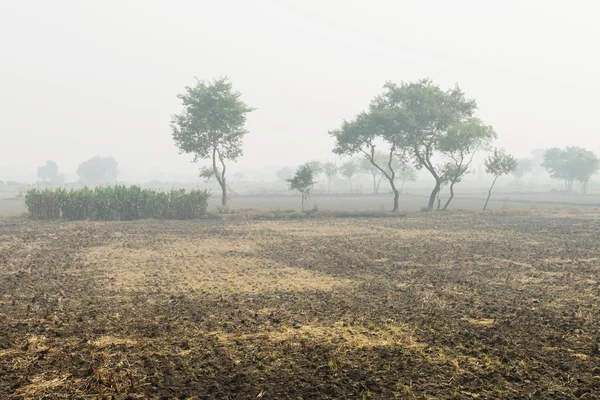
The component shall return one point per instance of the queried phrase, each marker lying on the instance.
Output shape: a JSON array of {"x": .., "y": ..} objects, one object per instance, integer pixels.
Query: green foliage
[
  {"x": 500, "y": 163},
  {"x": 331, "y": 170},
  {"x": 348, "y": 169},
  {"x": 303, "y": 182},
  {"x": 316, "y": 167},
  {"x": 211, "y": 125},
  {"x": 571, "y": 164},
  {"x": 115, "y": 203},
  {"x": 98, "y": 171}
]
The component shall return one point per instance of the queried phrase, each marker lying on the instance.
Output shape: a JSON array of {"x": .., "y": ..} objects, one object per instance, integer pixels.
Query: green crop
[{"x": 119, "y": 202}]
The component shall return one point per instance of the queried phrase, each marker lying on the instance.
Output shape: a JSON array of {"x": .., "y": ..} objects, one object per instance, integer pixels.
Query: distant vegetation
[{"x": 115, "y": 203}]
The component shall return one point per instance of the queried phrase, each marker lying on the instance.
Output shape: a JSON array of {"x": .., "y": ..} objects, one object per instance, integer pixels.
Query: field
[{"x": 499, "y": 305}]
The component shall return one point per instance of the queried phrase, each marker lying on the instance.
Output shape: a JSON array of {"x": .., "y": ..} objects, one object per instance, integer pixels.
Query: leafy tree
[
  {"x": 524, "y": 165},
  {"x": 48, "y": 173},
  {"x": 571, "y": 164},
  {"x": 98, "y": 170},
  {"x": 211, "y": 126},
  {"x": 316, "y": 167},
  {"x": 348, "y": 170},
  {"x": 497, "y": 165},
  {"x": 459, "y": 145},
  {"x": 422, "y": 116},
  {"x": 362, "y": 134},
  {"x": 284, "y": 173},
  {"x": 303, "y": 182},
  {"x": 331, "y": 171}
]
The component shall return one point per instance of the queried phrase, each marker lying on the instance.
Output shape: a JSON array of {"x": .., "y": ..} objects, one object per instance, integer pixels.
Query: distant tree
[
  {"x": 98, "y": 170},
  {"x": 211, "y": 126},
  {"x": 459, "y": 145},
  {"x": 406, "y": 173},
  {"x": 303, "y": 182},
  {"x": 284, "y": 173},
  {"x": 497, "y": 165},
  {"x": 348, "y": 170},
  {"x": 316, "y": 167},
  {"x": 524, "y": 166},
  {"x": 367, "y": 167},
  {"x": 570, "y": 165},
  {"x": 48, "y": 173},
  {"x": 331, "y": 171}
]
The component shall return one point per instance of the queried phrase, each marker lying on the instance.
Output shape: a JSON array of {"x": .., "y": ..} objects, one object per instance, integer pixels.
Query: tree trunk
[
  {"x": 434, "y": 193},
  {"x": 396, "y": 196},
  {"x": 328, "y": 185},
  {"x": 489, "y": 194},
  {"x": 224, "y": 193},
  {"x": 449, "y": 198},
  {"x": 303, "y": 201},
  {"x": 350, "y": 180}
]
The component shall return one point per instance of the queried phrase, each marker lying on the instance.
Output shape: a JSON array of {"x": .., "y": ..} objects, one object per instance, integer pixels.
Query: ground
[{"x": 499, "y": 305}]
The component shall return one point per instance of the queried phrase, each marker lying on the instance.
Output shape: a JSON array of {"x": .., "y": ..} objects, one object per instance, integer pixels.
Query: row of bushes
[{"x": 116, "y": 203}]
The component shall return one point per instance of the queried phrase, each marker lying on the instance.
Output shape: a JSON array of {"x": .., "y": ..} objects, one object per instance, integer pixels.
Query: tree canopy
[
  {"x": 570, "y": 165},
  {"x": 98, "y": 170},
  {"x": 498, "y": 164},
  {"x": 211, "y": 126},
  {"x": 48, "y": 173},
  {"x": 303, "y": 182}
]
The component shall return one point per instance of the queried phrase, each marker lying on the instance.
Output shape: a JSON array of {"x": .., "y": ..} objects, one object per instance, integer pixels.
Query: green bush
[{"x": 111, "y": 203}]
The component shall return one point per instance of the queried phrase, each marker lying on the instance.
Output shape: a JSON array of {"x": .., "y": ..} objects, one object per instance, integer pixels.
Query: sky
[{"x": 86, "y": 78}]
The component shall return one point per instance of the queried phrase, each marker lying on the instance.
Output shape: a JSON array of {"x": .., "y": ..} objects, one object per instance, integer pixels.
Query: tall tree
[
  {"x": 366, "y": 131},
  {"x": 331, "y": 171},
  {"x": 524, "y": 166},
  {"x": 423, "y": 114},
  {"x": 406, "y": 173},
  {"x": 497, "y": 165},
  {"x": 348, "y": 170},
  {"x": 211, "y": 126},
  {"x": 459, "y": 145},
  {"x": 48, "y": 173},
  {"x": 98, "y": 170},
  {"x": 303, "y": 182},
  {"x": 284, "y": 173},
  {"x": 570, "y": 165}
]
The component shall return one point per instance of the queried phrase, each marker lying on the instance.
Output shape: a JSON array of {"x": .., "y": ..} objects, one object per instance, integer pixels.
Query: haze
[{"x": 81, "y": 79}]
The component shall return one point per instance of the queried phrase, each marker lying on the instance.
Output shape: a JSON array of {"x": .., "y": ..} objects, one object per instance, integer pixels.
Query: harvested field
[{"x": 503, "y": 305}]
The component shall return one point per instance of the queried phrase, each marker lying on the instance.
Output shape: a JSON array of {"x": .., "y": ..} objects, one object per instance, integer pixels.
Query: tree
[
  {"x": 98, "y": 170},
  {"x": 422, "y": 115},
  {"x": 524, "y": 165},
  {"x": 303, "y": 182},
  {"x": 571, "y": 164},
  {"x": 406, "y": 174},
  {"x": 459, "y": 145},
  {"x": 362, "y": 135},
  {"x": 316, "y": 167},
  {"x": 367, "y": 167},
  {"x": 331, "y": 171},
  {"x": 48, "y": 173},
  {"x": 497, "y": 165},
  {"x": 348, "y": 170},
  {"x": 211, "y": 126},
  {"x": 284, "y": 173}
]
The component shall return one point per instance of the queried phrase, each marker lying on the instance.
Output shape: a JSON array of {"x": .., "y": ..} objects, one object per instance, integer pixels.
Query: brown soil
[{"x": 450, "y": 305}]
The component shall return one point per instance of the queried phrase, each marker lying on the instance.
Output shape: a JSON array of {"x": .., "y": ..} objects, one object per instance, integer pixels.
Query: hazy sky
[{"x": 84, "y": 78}]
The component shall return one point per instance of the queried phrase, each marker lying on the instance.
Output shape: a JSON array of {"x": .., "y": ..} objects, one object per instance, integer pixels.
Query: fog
[{"x": 80, "y": 79}]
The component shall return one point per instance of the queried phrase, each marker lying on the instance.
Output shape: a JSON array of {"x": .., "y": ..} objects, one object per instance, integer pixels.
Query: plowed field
[{"x": 502, "y": 305}]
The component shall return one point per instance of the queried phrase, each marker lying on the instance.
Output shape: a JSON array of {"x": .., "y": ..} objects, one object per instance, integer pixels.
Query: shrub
[{"x": 116, "y": 203}]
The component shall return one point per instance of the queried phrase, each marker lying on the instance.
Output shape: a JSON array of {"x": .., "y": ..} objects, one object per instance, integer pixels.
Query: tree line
[
  {"x": 409, "y": 125},
  {"x": 95, "y": 171}
]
